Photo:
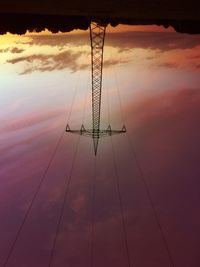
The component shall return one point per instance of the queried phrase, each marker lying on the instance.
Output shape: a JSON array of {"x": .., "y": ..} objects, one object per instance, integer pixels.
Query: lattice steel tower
[{"x": 97, "y": 37}]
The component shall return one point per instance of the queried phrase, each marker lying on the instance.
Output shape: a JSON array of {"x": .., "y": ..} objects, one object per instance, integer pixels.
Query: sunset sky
[{"x": 158, "y": 74}]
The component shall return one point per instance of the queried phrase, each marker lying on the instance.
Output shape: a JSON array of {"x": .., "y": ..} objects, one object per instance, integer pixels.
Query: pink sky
[{"x": 158, "y": 78}]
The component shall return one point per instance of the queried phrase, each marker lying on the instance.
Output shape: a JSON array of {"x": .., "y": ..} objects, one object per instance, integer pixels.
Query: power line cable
[
  {"x": 118, "y": 93},
  {"x": 121, "y": 205},
  {"x": 67, "y": 187},
  {"x": 68, "y": 182},
  {"x": 85, "y": 99},
  {"x": 117, "y": 180},
  {"x": 93, "y": 214},
  {"x": 142, "y": 177},
  {"x": 32, "y": 201},
  {"x": 73, "y": 98},
  {"x": 145, "y": 183},
  {"x": 107, "y": 98},
  {"x": 38, "y": 187}
]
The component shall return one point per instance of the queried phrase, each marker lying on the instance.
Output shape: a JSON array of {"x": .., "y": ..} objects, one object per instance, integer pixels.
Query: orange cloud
[{"x": 30, "y": 120}]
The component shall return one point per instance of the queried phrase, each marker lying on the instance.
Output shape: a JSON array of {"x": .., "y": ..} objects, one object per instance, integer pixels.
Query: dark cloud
[
  {"x": 60, "y": 61},
  {"x": 59, "y": 40},
  {"x": 167, "y": 65},
  {"x": 111, "y": 62},
  {"x": 195, "y": 56},
  {"x": 4, "y": 50},
  {"x": 163, "y": 41},
  {"x": 50, "y": 62},
  {"x": 14, "y": 50}
]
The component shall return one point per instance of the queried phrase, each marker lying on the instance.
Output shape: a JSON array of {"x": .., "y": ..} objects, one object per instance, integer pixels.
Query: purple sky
[{"x": 159, "y": 82}]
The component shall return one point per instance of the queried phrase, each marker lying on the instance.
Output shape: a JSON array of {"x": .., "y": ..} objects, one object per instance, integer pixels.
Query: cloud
[
  {"x": 168, "y": 65},
  {"x": 166, "y": 107},
  {"x": 60, "y": 61},
  {"x": 30, "y": 120},
  {"x": 167, "y": 124},
  {"x": 59, "y": 40},
  {"x": 125, "y": 41},
  {"x": 13, "y": 50},
  {"x": 110, "y": 62},
  {"x": 195, "y": 56},
  {"x": 163, "y": 41},
  {"x": 28, "y": 133},
  {"x": 41, "y": 62},
  {"x": 16, "y": 50},
  {"x": 3, "y": 50},
  {"x": 167, "y": 142}
]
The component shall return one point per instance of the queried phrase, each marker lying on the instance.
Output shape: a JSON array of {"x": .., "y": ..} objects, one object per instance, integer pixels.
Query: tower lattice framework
[{"x": 97, "y": 37}]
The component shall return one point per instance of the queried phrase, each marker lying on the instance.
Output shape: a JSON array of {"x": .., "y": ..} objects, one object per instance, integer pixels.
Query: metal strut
[{"x": 97, "y": 37}]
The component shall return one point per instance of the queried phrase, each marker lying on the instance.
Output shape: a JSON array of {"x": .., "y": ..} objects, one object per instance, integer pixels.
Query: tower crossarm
[{"x": 100, "y": 133}]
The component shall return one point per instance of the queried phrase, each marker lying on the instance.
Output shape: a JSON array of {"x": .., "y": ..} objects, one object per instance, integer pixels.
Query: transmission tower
[{"x": 97, "y": 37}]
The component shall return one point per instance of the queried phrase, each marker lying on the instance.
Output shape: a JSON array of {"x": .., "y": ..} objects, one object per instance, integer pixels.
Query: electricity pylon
[{"x": 97, "y": 37}]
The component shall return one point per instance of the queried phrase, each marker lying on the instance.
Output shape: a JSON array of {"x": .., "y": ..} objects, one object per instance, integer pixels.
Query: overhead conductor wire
[
  {"x": 93, "y": 194},
  {"x": 121, "y": 205},
  {"x": 67, "y": 187},
  {"x": 93, "y": 214},
  {"x": 38, "y": 187},
  {"x": 119, "y": 191},
  {"x": 142, "y": 177}
]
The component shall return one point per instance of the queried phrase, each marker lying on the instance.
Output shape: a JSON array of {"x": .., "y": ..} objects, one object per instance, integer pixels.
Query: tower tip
[{"x": 95, "y": 142}]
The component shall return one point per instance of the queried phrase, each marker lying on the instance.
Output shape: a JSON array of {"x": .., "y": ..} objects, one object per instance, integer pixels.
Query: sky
[{"x": 45, "y": 84}]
